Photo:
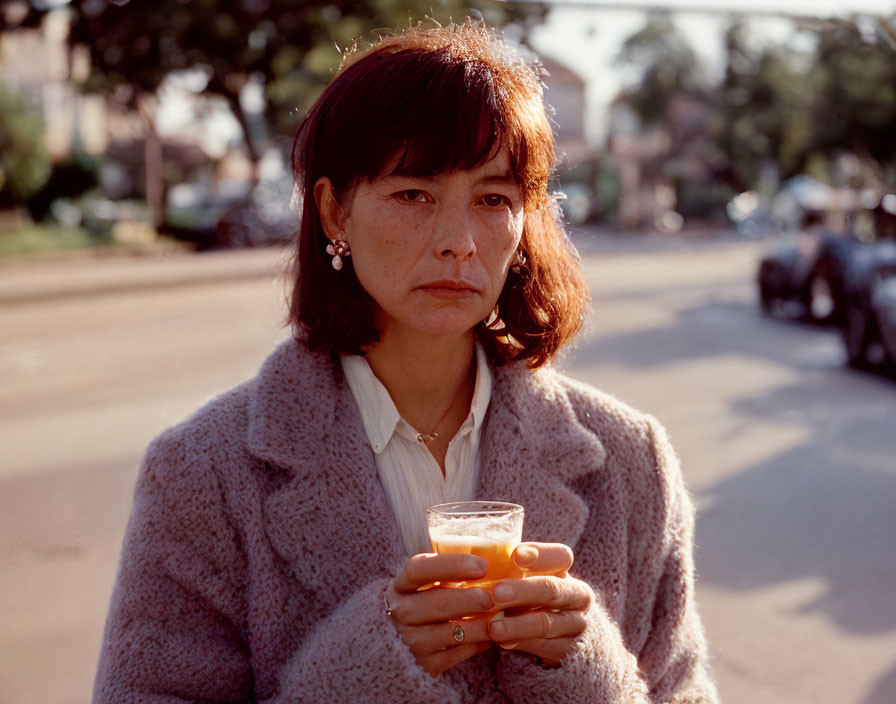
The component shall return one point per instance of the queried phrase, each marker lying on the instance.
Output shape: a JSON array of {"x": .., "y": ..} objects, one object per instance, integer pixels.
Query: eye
[
  {"x": 495, "y": 200},
  {"x": 412, "y": 195}
]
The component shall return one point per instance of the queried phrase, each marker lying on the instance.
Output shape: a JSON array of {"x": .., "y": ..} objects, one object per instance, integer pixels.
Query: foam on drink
[{"x": 479, "y": 536}]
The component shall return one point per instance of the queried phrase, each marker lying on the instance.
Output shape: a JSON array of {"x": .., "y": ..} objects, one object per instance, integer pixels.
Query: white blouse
[{"x": 410, "y": 475}]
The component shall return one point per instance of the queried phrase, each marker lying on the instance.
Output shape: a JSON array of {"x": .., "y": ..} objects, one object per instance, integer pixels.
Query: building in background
[{"x": 37, "y": 64}]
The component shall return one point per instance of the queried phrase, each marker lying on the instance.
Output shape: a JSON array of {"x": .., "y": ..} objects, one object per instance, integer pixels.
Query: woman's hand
[
  {"x": 428, "y": 620},
  {"x": 543, "y": 614}
]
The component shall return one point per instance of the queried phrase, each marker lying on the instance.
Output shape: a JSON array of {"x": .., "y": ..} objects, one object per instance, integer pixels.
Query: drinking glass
[{"x": 489, "y": 529}]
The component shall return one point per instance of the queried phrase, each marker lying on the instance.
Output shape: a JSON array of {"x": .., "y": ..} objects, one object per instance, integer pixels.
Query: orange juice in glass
[{"x": 489, "y": 529}]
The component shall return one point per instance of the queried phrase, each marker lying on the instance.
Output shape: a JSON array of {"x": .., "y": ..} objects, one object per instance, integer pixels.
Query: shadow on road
[
  {"x": 721, "y": 327},
  {"x": 825, "y": 509},
  {"x": 809, "y": 512},
  {"x": 884, "y": 691}
]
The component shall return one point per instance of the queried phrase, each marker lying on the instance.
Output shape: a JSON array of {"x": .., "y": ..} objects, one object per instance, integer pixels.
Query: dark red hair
[{"x": 442, "y": 99}]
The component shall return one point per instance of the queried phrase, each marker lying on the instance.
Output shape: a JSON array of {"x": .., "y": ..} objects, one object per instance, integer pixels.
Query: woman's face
[{"x": 433, "y": 252}]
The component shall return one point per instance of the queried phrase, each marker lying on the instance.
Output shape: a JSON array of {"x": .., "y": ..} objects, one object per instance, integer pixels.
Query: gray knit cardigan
[{"x": 260, "y": 543}]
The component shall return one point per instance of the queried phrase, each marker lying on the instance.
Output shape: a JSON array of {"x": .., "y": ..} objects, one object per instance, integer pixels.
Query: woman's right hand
[{"x": 427, "y": 621}]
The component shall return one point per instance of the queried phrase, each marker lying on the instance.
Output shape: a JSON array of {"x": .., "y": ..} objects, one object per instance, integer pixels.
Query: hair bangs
[{"x": 453, "y": 122}]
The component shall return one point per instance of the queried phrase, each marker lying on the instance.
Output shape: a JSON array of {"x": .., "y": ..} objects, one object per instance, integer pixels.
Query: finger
[
  {"x": 439, "y": 604},
  {"x": 536, "y": 625},
  {"x": 436, "y": 663},
  {"x": 543, "y": 558},
  {"x": 550, "y": 651},
  {"x": 430, "y": 638},
  {"x": 563, "y": 593},
  {"x": 427, "y": 568}
]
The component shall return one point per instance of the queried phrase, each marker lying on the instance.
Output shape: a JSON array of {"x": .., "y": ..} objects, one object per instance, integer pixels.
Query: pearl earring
[{"x": 338, "y": 249}]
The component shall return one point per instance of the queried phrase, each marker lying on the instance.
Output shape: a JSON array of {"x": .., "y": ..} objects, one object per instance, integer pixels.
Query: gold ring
[{"x": 459, "y": 634}]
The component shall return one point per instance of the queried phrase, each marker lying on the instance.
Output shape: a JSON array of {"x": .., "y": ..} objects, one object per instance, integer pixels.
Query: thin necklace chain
[{"x": 427, "y": 438}]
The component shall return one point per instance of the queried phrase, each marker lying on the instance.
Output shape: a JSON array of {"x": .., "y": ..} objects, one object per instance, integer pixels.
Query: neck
[{"x": 430, "y": 380}]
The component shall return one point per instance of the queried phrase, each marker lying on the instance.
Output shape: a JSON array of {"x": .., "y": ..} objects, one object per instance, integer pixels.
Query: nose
[{"x": 454, "y": 234}]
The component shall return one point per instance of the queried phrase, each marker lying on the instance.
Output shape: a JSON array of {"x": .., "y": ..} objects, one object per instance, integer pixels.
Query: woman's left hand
[{"x": 544, "y": 614}]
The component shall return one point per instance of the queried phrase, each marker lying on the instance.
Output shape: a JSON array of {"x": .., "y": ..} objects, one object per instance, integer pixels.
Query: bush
[
  {"x": 704, "y": 200},
  {"x": 72, "y": 178}
]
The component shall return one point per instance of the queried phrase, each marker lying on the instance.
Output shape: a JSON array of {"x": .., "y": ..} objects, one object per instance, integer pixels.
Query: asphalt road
[{"x": 789, "y": 456}]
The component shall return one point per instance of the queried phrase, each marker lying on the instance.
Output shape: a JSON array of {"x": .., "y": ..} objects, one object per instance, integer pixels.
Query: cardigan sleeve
[
  {"x": 178, "y": 631},
  {"x": 356, "y": 654},
  {"x": 671, "y": 665}
]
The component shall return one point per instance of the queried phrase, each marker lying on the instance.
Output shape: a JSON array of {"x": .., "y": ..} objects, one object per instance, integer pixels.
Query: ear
[{"x": 332, "y": 216}]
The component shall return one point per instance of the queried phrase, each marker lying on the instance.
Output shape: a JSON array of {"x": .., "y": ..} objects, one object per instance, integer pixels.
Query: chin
[{"x": 452, "y": 326}]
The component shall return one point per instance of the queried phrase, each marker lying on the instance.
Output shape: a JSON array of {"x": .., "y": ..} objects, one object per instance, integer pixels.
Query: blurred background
[{"x": 728, "y": 174}]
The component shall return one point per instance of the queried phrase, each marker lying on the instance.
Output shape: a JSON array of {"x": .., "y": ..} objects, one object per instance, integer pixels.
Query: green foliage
[
  {"x": 71, "y": 178},
  {"x": 24, "y": 162},
  {"x": 854, "y": 95},
  {"x": 806, "y": 106},
  {"x": 293, "y": 47},
  {"x": 34, "y": 239},
  {"x": 762, "y": 109},
  {"x": 664, "y": 65}
]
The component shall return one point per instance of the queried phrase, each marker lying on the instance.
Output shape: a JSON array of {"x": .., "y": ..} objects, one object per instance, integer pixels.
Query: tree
[
  {"x": 665, "y": 91},
  {"x": 664, "y": 65},
  {"x": 290, "y": 47},
  {"x": 799, "y": 109},
  {"x": 761, "y": 109},
  {"x": 853, "y": 107},
  {"x": 24, "y": 162}
]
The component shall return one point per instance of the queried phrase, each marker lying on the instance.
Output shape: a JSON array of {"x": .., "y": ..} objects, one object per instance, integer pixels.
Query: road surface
[{"x": 789, "y": 456}]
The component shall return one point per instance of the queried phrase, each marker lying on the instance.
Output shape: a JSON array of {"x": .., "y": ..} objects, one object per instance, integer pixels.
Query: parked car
[
  {"x": 227, "y": 217},
  {"x": 804, "y": 275},
  {"x": 816, "y": 273},
  {"x": 869, "y": 323}
]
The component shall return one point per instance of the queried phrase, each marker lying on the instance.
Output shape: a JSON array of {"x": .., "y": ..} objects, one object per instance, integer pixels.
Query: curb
[{"x": 33, "y": 282}]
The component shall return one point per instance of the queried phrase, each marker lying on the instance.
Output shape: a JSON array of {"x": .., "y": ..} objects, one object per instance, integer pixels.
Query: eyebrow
[{"x": 507, "y": 178}]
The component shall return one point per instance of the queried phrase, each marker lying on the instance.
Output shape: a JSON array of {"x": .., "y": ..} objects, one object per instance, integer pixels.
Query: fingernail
[
  {"x": 497, "y": 629},
  {"x": 525, "y": 555},
  {"x": 475, "y": 565},
  {"x": 486, "y": 601},
  {"x": 509, "y": 646},
  {"x": 503, "y": 592}
]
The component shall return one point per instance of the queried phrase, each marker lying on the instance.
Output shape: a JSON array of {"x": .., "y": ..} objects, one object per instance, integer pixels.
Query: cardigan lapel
[
  {"x": 534, "y": 449},
  {"x": 328, "y": 515}
]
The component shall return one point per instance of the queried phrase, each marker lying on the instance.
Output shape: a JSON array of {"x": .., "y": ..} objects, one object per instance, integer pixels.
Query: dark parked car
[
  {"x": 232, "y": 218},
  {"x": 869, "y": 322},
  {"x": 822, "y": 275},
  {"x": 868, "y": 325},
  {"x": 805, "y": 276}
]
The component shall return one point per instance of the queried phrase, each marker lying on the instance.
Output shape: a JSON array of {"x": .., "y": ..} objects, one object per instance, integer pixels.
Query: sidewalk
[
  {"x": 30, "y": 281},
  {"x": 33, "y": 280}
]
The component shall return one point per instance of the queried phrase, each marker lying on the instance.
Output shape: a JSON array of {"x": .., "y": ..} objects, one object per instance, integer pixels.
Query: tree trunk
[
  {"x": 154, "y": 173},
  {"x": 233, "y": 100}
]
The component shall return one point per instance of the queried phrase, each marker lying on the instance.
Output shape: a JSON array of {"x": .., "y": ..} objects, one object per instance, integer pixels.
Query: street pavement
[
  {"x": 788, "y": 454},
  {"x": 34, "y": 280}
]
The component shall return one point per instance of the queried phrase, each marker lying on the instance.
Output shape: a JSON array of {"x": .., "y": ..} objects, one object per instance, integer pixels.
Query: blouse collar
[{"x": 379, "y": 415}]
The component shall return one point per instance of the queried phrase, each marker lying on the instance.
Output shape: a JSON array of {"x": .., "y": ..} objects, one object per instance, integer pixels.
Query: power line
[{"x": 693, "y": 8}]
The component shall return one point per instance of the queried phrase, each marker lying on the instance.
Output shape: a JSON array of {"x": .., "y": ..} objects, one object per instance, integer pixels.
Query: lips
[
  {"x": 449, "y": 289},
  {"x": 450, "y": 284}
]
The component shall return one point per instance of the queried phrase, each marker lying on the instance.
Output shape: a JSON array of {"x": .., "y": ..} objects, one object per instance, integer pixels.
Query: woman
[{"x": 278, "y": 539}]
